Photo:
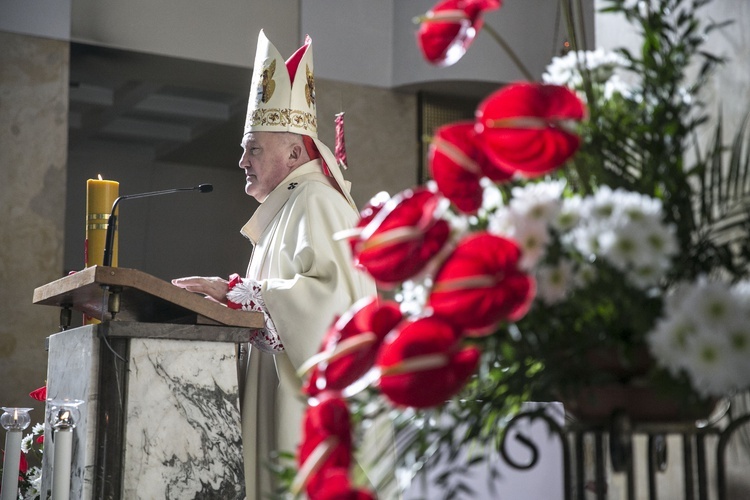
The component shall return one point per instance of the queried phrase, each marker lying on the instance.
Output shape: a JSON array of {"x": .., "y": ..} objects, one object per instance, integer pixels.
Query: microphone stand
[
  {"x": 113, "y": 305},
  {"x": 112, "y": 222}
]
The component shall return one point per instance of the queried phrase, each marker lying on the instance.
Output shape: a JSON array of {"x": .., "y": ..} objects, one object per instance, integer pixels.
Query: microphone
[{"x": 112, "y": 222}]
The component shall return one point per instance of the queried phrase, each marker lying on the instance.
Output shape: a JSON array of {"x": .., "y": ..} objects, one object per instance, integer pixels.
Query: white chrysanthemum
[
  {"x": 669, "y": 342},
  {"x": 675, "y": 297},
  {"x": 34, "y": 475},
  {"x": 627, "y": 231},
  {"x": 26, "y": 443},
  {"x": 492, "y": 198},
  {"x": 707, "y": 366},
  {"x": 711, "y": 323},
  {"x": 458, "y": 223},
  {"x": 616, "y": 85},
  {"x": 532, "y": 237},
  {"x": 412, "y": 297},
  {"x": 636, "y": 206},
  {"x": 569, "y": 215},
  {"x": 500, "y": 223},
  {"x": 538, "y": 201},
  {"x": 37, "y": 429},
  {"x": 564, "y": 70},
  {"x": 585, "y": 239},
  {"x": 598, "y": 206},
  {"x": 661, "y": 239},
  {"x": 622, "y": 246},
  {"x": 712, "y": 306},
  {"x": 554, "y": 282},
  {"x": 738, "y": 337}
]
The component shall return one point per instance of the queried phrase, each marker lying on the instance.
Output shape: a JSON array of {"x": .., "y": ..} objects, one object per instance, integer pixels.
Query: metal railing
[{"x": 593, "y": 454}]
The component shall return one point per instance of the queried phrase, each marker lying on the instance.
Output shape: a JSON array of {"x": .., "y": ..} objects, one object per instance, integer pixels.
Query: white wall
[
  {"x": 528, "y": 26},
  {"x": 373, "y": 43},
  {"x": 354, "y": 38},
  {"x": 221, "y": 31}
]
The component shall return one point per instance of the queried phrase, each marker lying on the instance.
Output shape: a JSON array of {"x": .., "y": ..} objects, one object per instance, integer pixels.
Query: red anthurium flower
[
  {"x": 403, "y": 236},
  {"x": 480, "y": 284},
  {"x": 454, "y": 170},
  {"x": 350, "y": 346},
  {"x": 449, "y": 28},
  {"x": 457, "y": 165},
  {"x": 39, "y": 394},
  {"x": 423, "y": 365},
  {"x": 526, "y": 127},
  {"x": 326, "y": 442},
  {"x": 335, "y": 484}
]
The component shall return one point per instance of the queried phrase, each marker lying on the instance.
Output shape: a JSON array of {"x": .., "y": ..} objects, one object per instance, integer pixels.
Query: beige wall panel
[{"x": 33, "y": 141}]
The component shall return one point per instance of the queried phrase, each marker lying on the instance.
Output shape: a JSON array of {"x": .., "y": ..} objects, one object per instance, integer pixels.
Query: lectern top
[{"x": 142, "y": 297}]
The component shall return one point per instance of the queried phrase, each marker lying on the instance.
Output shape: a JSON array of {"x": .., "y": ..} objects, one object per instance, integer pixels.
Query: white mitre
[{"x": 282, "y": 99}]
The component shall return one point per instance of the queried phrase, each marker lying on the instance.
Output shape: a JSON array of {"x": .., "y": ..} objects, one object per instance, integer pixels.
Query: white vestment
[{"x": 307, "y": 281}]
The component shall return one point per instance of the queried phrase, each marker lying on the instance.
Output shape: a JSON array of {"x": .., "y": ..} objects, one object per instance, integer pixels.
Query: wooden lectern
[{"x": 158, "y": 377}]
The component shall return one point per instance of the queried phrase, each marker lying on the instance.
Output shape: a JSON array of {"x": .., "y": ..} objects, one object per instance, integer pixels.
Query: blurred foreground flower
[
  {"x": 449, "y": 28},
  {"x": 423, "y": 364}
]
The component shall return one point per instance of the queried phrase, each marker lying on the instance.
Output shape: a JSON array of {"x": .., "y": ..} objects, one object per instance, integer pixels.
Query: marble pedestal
[{"x": 161, "y": 416}]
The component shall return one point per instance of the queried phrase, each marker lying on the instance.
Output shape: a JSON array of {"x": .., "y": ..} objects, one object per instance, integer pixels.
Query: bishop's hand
[{"x": 213, "y": 288}]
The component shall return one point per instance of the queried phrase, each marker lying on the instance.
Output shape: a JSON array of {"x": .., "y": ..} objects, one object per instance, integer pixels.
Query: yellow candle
[{"x": 100, "y": 195}]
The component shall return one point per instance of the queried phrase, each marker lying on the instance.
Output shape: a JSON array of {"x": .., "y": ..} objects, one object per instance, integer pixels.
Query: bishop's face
[{"x": 265, "y": 160}]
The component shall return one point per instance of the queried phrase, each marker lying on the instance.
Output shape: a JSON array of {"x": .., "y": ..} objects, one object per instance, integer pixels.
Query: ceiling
[{"x": 183, "y": 111}]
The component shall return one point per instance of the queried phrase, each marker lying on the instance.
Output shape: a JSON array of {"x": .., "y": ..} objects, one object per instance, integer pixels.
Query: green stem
[
  {"x": 508, "y": 50},
  {"x": 570, "y": 25}
]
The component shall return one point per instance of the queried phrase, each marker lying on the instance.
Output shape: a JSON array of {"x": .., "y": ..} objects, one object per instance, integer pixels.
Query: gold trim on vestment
[{"x": 284, "y": 117}]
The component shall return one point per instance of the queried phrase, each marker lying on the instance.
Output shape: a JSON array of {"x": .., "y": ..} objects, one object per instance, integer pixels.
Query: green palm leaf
[{"x": 722, "y": 211}]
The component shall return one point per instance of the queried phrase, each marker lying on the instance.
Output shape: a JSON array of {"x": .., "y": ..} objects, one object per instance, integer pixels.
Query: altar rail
[{"x": 637, "y": 454}]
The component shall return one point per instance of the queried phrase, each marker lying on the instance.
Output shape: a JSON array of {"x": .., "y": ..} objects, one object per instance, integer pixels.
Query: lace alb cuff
[{"x": 246, "y": 294}]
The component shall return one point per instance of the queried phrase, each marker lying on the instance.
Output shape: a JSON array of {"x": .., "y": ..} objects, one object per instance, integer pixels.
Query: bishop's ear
[{"x": 295, "y": 151}]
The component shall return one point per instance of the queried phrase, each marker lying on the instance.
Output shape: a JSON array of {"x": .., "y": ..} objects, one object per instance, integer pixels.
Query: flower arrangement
[
  {"x": 32, "y": 446},
  {"x": 562, "y": 224}
]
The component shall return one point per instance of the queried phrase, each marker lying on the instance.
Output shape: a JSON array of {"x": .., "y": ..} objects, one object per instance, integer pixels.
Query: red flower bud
[
  {"x": 449, "y": 28},
  {"x": 480, "y": 284},
  {"x": 349, "y": 348},
  {"x": 403, "y": 236},
  {"x": 422, "y": 364},
  {"x": 527, "y": 127}
]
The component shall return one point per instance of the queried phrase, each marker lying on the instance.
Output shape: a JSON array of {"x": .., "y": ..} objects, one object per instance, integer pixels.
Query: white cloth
[{"x": 307, "y": 279}]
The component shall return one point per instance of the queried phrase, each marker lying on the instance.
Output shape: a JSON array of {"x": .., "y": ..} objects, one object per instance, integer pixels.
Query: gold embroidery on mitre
[
  {"x": 267, "y": 85},
  {"x": 310, "y": 87},
  {"x": 283, "y": 117}
]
